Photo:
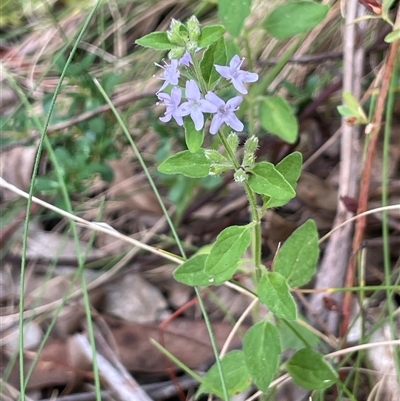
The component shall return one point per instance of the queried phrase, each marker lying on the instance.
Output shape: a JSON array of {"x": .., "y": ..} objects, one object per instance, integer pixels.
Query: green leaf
[
  {"x": 236, "y": 375},
  {"x": 265, "y": 179},
  {"x": 214, "y": 54},
  {"x": 297, "y": 258},
  {"x": 194, "y": 139},
  {"x": 97, "y": 124},
  {"x": 352, "y": 117},
  {"x": 262, "y": 350},
  {"x": 346, "y": 111},
  {"x": 352, "y": 108},
  {"x": 290, "y": 168},
  {"x": 293, "y": 335},
  {"x": 64, "y": 158},
  {"x": 156, "y": 41},
  {"x": 194, "y": 165},
  {"x": 110, "y": 80},
  {"x": 309, "y": 370},
  {"x": 233, "y": 13},
  {"x": 210, "y": 34},
  {"x": 46, "y": 184},
  {"x": 105, "y": 171},
  {"x": 294, "y": 18},
  {"x": 232, "y": 48},
  {"x": 191, "y": 272},
  {"x": 273, "y": 291},
  {"x": 350, "y": 100},
  {"x": 277, "y": 117},
  {"x": 392, "y": 36},
  {"x": 225, "y": 254}
]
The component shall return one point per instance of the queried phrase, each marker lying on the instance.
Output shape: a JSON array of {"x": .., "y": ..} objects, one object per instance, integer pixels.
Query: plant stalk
[{"x": 255, "y": 216}]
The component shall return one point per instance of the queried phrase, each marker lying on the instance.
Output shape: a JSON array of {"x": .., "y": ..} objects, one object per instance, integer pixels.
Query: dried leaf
[{"x": 188, "y": 340}]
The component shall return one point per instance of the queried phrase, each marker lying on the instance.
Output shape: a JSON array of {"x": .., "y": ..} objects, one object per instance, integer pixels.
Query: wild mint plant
[{"x": 203, "y": 91}]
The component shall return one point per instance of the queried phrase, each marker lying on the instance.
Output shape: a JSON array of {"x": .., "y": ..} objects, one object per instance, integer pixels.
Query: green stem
[
  {"x": 365, "y": 288},
  {"x": 176, "y": 361},
  {"x": 295, "y": 331},
  {"x": 213, "y": 344},
  {"x": 385, "y": 202},
  {"x": 231, "y": 155},
  {"x": 252, "y": 113},
  {"x": 256, "y": 231},
  {"x": 198, "y": 73},
  {"x": 255, "y": 216},
  {"x": 346, "y": 390},
  {"x": 247, "y": 48},
  {"x": 90, "y": 330}
]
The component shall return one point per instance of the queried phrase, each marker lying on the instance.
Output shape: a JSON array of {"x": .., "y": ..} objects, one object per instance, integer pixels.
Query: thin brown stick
[
  {"x": 333, "y": 266},
  {"x": 366, "y": 177}
]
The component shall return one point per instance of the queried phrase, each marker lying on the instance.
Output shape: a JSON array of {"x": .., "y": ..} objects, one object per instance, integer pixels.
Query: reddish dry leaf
[
  {"x": 330, "y": 304},
  {"x": 350, "y": 203},
  {"x": 372, "y": 5}
]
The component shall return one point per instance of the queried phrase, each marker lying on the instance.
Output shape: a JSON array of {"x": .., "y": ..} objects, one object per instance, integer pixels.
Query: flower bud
[
  {"x": 248, "y": 159},
  {"x": 217, "y": 169},
  {"x": 249, "y": 151},
  {"x": 176, "y": 53},
  {"x": 175, "y": 26},
  {"x": 240, "y": 175},
  {"x": 233, "y": 141},
  {"x": 251, "y": 144},
  {"x": 193, "y": 26},
  {"x": 174, "y": 34}
]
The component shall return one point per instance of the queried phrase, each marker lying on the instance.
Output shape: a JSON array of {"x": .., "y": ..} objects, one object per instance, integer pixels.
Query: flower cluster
[{"x": 196, "y": 103}]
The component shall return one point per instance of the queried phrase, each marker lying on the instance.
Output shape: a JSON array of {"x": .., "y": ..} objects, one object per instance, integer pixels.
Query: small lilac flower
[
  {"x": 236, "y": 75},
  {"x": 225, "y": 113},
  {"x": 172, "y": 103},
  {"x": 196, "y": 106},
  {"x": 170, "y": 75},
  {"x": 186, "y": 59}
]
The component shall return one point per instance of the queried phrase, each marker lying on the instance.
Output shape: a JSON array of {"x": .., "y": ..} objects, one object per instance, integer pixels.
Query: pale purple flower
[
  {"x": 172, "y": 103},
  {"x": 185, "y": 60},
  {"x": 236, "y": 75},
  {"x": 170, "y": 75},
  {"x": 196, "y": 106},
  {"x": 225, "y": 113}
]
